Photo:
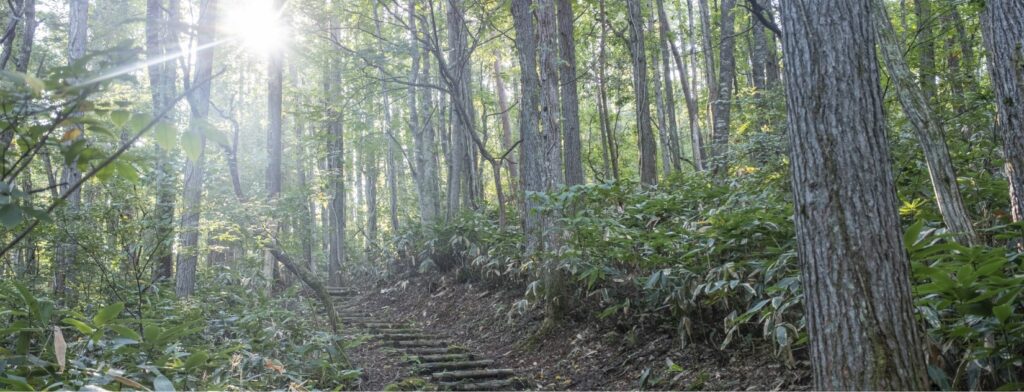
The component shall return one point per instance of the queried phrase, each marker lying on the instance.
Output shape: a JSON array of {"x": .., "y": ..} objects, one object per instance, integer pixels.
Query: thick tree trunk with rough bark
[
  {"x": 28, "y": 34},
  {"x": 645, "y": 138},
  {"x": 914, "y": 100},
  {"x": 569, "y": 95},
  {"x": 458, "y": 67},
  {"x": 860, "y": 315},
  {"x": 188, "y": 232},
  {"x": 1002, "y": 25},
  {"x": 273, "y": 179},
  {"x": 529, "y": 119}
]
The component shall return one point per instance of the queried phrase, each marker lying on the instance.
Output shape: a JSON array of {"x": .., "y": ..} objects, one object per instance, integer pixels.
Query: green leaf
[
  {"x": 166, "y": 135},
  {"x": 196, "y": 359},
  {"x": 16, "y": 383},
  {"x": 10, "y": 215},
  {"x": 81, "y": 326},
  {"x": 125, "y": 332},
  {"x": 139, "y": 122},
  {"x": 151, "y": 333},
  {"x": 108, "y": 313},
  {"x": 126, "y": 171},
  {"x": 215, "y": 135},
  {"x": 781, "y": 336},
  {"x": 161, "y": 384},
  {"x": 192, "y": 143},
  {"x": 1003, "y": 312},
  {"x": 119, "y": 117}
]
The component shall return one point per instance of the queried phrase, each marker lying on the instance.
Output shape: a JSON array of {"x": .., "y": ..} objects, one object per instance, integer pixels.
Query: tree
[
  {"x": 1003, "y": 33},
  {"x": 67, "y": 248},
  {"x": 160, "y": 40},
  {"x": 638, "y": 54},
  {"x": 335, "y": 165},
  {"x": 856, "y": 276},
  {"x": 570, "y": 99},
  {"x": 199, "y": 101},
  {"x": 914, "y": 99},
  {"x": 721, "y": 104}
]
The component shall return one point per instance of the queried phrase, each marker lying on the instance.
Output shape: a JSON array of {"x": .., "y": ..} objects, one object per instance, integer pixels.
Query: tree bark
[
  {"x": 459, "y": 76},
  {"x": 28, "y": 34},
  {"x": 391, "y": 169},
  {"x": 529, "y": 120},
  {"x": 275, "y": 87},
  {"x": 506, "y": 127},
  {"x": 67, "y": 248},
  {"x": 188, "y": 248},
  {"x": 664, "y": 38},
  {"x": 692, "y": 113},
  {"x": 163, "y": 75},
  {"x": 860, "y": 314},
  {"x": 914, "y": 100},
  {"x": 722, "y": 103},
  {"x": 1002, "y": 24},
  {"x": 645, "y": 138},
  {"x": 609, "y": 151},
  {"x": 925, "y": 43},
  {"x": 569, "y": 95}
]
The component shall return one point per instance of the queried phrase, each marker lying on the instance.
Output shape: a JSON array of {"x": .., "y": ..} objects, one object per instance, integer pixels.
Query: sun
[{"x": 258, "y": 26}]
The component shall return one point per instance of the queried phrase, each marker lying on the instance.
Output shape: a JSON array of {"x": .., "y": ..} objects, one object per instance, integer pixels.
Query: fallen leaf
[
  {"x": 60, "y": 348},
  {"x": 129, "y": 382},
  {"x": 269, "y": 364}
]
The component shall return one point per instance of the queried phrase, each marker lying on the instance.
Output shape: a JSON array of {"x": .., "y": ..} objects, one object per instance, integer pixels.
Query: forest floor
[{"x": 585, "y": 353}]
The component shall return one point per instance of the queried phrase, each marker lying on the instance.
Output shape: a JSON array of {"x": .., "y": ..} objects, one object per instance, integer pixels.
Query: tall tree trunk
[
  {"x": 529, "y": 120},
  {"x": 645, "y": 138},
  {"x": 392, "y": 167},
  {"x": 914, "y": 101},
  {"x": 569, "y": 95},
  {"x": 607, "y": 132},
  {"x": 710, "y": 77},
  {"x": 7, "y": 37},
  {"x": 860, "y": 315},
  {"x": 275, "y": 87},
  {"x": 67, "y": 248},
  {"x": 1002, "y": 24},
  {"x": 550, "y": 158},
  {"x": 664, "y": 38},
  {"x": 160, "y": 39},
  {"x": 925, "y": 43},
  {"x": 372, "y": 173},
  {"x": 692, "y": 113},
  {"x": 336, "y": 186},
  {"x": 506, "y": 127},
  {"x": 459, "y": 76},
  {"x": 661, "y": 111},
  {"x": 28, "y": 34},
  {"x": 424, "y": 139},
  {"x": 722, "y": 104},
  {"x": 188, "y": 242}
]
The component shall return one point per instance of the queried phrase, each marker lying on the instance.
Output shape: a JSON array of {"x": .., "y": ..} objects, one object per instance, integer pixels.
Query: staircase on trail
[{"x": 447, "y": 365}]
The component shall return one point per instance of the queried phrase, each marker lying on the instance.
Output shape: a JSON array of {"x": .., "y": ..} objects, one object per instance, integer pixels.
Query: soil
[{"x": 584, "y": 353}]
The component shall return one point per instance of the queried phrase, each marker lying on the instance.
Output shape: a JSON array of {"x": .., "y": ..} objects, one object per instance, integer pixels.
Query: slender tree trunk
[
  {"x": 458, "y": 68},
  {"x": 664, "y": 38},
  {"x": 860, "y": 315},
  {"x": 7, "y": 37},
  {"x": 925, "y": 43},
  {"x": 336, "y": 185},
  {"x": 28, "y": 34},
  {"x": 569, "y": 95},
  {"x": 607, "y": 132},
  {"x": 645, "y": 138},
  {"x": 67, "y": 248},
  {"x": 914, "y": 101},
  {"x": 506, "y": 127},
  {"x": 426, "y": 156},
  {"x": 692, "y": 113},
  {"x": 391, "y": 168},
  {"x": 188, "y": 242},
  {"x": 275, "y": 87},
  {"x": 162, "y": 84},
  {"x": 722, "y": 104},
  {"x": 1002, "y": 24},
  {"x": 710, "y": 77},
  {"x": 659, "y": 104}
]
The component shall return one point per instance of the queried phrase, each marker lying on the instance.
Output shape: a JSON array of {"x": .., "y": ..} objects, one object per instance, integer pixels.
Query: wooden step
[
  {"x": 442, "y": 358},
  {"x": 396, "y": 330},
  {"x": 385, "y": 325},
  {"x": 407, "y": 336},
  {"x": 420, "y": 343},
  {"x": 434, "y": 350},
  {"x": 433, "y": 367},
  {"x": 471, "y": 374},
  {"x": 490, "y": 385}
]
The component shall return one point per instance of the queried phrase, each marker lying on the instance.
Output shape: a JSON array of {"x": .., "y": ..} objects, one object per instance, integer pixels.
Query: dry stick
[{"x": 106, "y": 162}]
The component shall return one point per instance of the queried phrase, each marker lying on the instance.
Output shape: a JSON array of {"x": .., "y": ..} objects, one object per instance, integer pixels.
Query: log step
[
  {"x": 491, "y": 385},
  {"x": 407, "y": 336},
  {"x": 395, "y": 330},
  {"x": 419, "y": 343},
  {"x": 432, "y": 367},
  {"x": 471, "y": 374},
  {"x": 385, "y": 325},
  {"x": 442, "y": 358},
  {"x": 434, "y": 351}
]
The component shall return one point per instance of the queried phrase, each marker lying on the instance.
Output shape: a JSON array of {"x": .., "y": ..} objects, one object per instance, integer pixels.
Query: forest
[{"x": 511, "y": 195}]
